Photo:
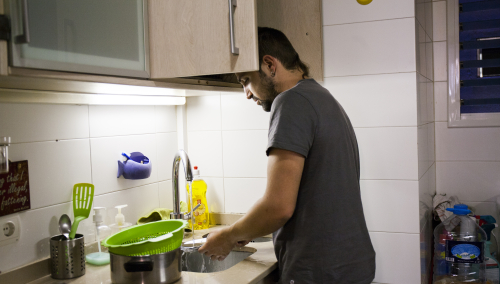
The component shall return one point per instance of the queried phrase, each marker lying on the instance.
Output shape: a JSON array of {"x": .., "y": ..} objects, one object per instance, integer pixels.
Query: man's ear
[{"x": 270, "y": 63}]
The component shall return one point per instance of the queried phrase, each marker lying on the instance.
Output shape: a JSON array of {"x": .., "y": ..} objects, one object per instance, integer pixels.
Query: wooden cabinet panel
[
  {"x": 300, "y": 20},
  {"x": 192, "y": 37}
]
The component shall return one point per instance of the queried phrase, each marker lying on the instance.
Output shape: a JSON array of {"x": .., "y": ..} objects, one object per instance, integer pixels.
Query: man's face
[{"x": 260, "y": 87}]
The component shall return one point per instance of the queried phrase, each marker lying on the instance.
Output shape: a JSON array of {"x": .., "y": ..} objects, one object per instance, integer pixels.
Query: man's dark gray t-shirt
[{"x": 326, "y": 239}]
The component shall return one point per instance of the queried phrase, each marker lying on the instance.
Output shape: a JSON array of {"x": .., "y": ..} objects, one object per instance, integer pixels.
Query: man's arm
[{"x": 271, "y": 212}]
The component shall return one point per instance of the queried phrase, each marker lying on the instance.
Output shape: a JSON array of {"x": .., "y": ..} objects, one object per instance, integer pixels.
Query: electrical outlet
[{"x": 11, "y": 229}]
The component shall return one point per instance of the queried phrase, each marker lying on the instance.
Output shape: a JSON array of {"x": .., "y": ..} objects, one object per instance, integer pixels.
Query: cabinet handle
[
  {"x": 232, "y": 7},
  {"x": 25, "y": 37}
]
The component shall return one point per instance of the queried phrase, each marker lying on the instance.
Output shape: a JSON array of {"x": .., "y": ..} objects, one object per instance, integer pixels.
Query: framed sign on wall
[{"x": 15, "y": 189}]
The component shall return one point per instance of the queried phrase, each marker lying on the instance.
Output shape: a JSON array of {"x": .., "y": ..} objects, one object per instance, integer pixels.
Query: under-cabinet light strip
[{"x": 29, "y": 96}]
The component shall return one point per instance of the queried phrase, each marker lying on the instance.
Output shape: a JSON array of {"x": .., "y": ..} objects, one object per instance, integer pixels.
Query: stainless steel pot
[{"x": 160, "y": 268}]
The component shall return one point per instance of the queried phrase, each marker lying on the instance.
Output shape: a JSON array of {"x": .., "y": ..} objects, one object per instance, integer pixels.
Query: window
[{"x": 473, "y": 63}]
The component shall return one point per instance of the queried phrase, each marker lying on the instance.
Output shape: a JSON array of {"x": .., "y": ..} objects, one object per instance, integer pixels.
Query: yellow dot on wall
[{"x": 364, "y": 2}]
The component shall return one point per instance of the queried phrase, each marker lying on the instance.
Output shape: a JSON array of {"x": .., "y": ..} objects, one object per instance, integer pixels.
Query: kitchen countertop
[{"x": 251, "y": 270}]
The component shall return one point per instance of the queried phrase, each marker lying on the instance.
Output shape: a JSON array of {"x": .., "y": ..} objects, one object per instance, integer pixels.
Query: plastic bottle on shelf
[
  {"x": 120, "y": 223},
  {"x": 201, "y": 214},
  {"x": 463, "y": 249},
  {"x": 102, "y": 232},
  {"x": 492, "y": 266}
]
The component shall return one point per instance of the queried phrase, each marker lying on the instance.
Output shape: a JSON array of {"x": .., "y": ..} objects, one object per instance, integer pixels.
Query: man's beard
[{"x": 268, "y": 88}]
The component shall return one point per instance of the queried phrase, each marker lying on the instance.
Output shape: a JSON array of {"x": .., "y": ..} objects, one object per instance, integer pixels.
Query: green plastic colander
[{"x": 147, "y": 239}]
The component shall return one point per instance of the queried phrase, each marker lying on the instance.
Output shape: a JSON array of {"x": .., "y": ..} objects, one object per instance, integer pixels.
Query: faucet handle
[
  {"x": 188, "y": 215},
  {"x": 183, "y": 216}
]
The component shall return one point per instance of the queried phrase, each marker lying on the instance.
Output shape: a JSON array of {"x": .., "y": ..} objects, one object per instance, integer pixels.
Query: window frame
[{"x": 455, "y": 118}]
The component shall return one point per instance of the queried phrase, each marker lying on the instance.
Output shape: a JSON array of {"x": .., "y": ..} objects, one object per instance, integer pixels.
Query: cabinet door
[
  {"x": 92, "y": 36},
  {"x": 300, "y": 21},
  {"x": 192, "y": 37}
]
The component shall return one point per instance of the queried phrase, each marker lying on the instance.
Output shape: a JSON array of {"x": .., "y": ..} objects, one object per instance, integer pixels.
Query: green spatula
[{"x": 83, "y": 195}]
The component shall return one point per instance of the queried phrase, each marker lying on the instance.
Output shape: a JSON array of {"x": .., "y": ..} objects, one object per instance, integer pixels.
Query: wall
[
  {"x": 373, "y": 70},
  {"x": 426, "y": 127},
  {"x": 376, "y": 65},
  {"x": 227, "y": 139},
  {"x": 68, "y": 144},
  {"x": 467, "y": 159}
]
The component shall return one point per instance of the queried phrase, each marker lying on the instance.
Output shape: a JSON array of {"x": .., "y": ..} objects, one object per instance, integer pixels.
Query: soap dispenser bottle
[
  {"x": 120, "y": 220},
  {"x": 102, "y": 232},
  {"x": 201, "y": 216}
]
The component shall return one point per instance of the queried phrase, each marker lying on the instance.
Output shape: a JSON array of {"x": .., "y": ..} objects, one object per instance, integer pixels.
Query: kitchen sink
[
  {"x": 261, "y": 240},
  {"x": 193, "y": 261},
  {"x": 197, "y": 262}
]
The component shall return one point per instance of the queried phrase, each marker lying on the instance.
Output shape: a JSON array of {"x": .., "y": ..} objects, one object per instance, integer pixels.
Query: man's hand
[{"x": 219, "y": 244}]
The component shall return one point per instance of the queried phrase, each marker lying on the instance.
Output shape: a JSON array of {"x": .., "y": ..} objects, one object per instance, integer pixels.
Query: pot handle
[{"x": 138, "y": 266}]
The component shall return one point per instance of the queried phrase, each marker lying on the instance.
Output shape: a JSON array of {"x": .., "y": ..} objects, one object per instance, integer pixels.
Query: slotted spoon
[{"x": 83, "y": 195}]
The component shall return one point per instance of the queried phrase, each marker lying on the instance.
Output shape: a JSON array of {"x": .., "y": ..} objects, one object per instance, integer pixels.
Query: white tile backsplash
[
  {"x": 55, "y": 139},
  {"x": 166, "y": 119},
  {"x": 420, "y": 12},
  {"x": 105, "y": 155},
  {"x": 166, "y": 144},
  {"x": 165, "y": 194},
  {"x": 422, "y": 109},
  {"x": 24, "y": 122},
  {"x": 430, "y": 101},
  {"x": 341, "y": 12},
  {"x": 204, "y": 113},
  {"x": 242, "y": 193},
  {"x": 429, "y": 58},
  {"x": 238, "y": 113},
  {"x": 121, "y": 120},
  {"x": 426, "y": 152},
  {"x": 364, "y": 97},
  {"x": 421, "y": 50},
  {"x": 426, "y": 189},
  {"x": 244, "y": 153},
  {"x": 470, "y": 181},
  {"x": 205, "y": 151},
  {"x": 440, "y": 61},
  {"x": 439, "y": 19},
  {"x": 402, "y": 195},
  {"x": 429, "y": 19},
  {"x": 441, "y": 100},
  {"x": 467, "y": 144},
  {"x": 54, "y": 167},
  {"x": 377, "y": 47},
  {"x": 394, "y": 266},
  {"x": 140, "y": 200},
  {"x": 388, "y": 153},
  {"x": 37, "y": 226},
  {"x": 215, "y": 194}
]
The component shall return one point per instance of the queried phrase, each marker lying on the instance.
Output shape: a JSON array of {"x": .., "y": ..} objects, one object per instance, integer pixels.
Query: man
[{"x": 312, "y": 200}]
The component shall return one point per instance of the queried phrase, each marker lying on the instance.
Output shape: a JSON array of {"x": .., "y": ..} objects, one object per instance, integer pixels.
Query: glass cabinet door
[{"x": 92, "y": 36}]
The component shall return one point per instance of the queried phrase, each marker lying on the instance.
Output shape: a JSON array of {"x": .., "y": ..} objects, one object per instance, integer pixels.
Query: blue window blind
[{"x": 479, "y": 37}]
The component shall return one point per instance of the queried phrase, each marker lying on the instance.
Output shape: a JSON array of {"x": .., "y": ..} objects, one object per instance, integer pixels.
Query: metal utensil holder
[{"x": 67, "y": 257}]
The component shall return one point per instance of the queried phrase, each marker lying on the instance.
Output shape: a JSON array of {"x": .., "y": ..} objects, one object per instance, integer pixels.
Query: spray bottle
[
  {"x": 120, "y": 220},
  {"x": 102, "y": 232}
]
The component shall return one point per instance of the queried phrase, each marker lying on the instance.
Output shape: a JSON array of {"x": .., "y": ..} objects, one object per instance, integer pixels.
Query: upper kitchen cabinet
[
  {"x": 93, "y": 36},
  {"x": 193, "y": 38}
]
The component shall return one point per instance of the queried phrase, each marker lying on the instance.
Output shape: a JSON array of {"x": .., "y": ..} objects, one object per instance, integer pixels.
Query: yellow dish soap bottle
[{"x": 201, "y": 214}]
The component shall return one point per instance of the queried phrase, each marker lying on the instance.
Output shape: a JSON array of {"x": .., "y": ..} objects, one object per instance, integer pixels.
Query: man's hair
[{"x": 273, "y": 42}]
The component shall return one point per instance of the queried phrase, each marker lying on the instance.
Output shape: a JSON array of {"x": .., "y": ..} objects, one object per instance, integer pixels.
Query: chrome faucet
[{"x": 179, "y": 156}]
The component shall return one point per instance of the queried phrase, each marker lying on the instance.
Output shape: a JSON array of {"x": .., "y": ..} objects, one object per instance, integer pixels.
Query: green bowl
[{"x": 147, "y": 239}]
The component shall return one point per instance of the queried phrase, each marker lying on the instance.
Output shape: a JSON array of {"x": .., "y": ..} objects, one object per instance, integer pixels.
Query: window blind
[{"x": 479, "y": 37}]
